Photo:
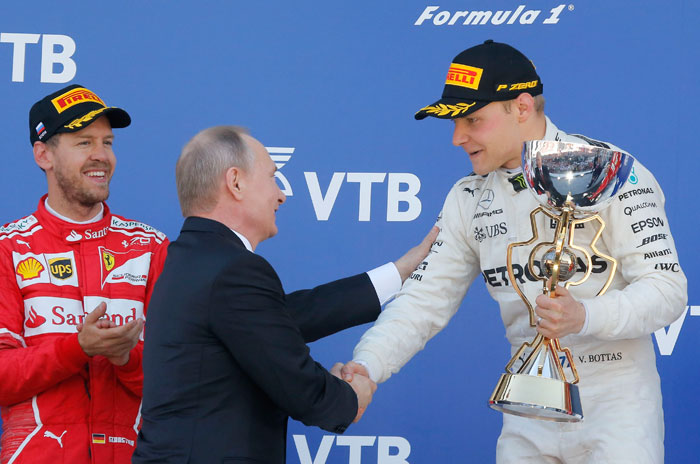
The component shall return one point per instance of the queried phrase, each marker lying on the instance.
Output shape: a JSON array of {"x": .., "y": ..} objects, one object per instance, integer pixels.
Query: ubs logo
[
  {"x": 61, "y": 268},
  {"x": 493, "y": 230}
]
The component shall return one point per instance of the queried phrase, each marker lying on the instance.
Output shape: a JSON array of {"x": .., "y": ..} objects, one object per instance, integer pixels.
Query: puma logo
[{"x": 48, "y": 434}]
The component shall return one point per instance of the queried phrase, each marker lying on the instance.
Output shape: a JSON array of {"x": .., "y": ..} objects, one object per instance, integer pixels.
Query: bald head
[{"x": 204, "y": 162}]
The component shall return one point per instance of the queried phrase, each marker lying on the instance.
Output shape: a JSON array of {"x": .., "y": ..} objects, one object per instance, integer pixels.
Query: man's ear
[
  {"x": 43, "y": 156},
  {"x": 525, "y": 106},
  {"x": 235, "y": 182}
]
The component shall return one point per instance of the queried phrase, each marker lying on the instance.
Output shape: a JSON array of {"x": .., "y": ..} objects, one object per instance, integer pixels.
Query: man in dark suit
[{"x": 225, "y": 359}]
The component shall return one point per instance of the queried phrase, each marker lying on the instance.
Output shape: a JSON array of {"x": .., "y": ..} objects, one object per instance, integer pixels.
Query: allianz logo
[
  {"x": 402, "y": 202},
  {"x": 432, "y": 14}
]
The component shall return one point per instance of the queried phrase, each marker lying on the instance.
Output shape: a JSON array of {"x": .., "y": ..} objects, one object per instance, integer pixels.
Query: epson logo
[
  {"x": 402, "y": 202},
  {"x": 647, "y": 223},
  {"x": 51, "y": 58},
  {"x": 521, "y": 15},
  {"x": 388, "y": 450}
]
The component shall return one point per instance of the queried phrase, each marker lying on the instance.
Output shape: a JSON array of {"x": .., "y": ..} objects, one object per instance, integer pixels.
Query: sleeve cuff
[
  {"x": 371, "y": 363},
  {"x": 70, "y": 354},
  {"x": 133, "y": 364},
  {"x": 386, "y": 281},
  {"x": 584, "y": 329}
]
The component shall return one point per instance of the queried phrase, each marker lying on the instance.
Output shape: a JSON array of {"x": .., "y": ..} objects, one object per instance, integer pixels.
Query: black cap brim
[
  {"x": 117, "y": 117},
  {"x": 450, "y": 108}
]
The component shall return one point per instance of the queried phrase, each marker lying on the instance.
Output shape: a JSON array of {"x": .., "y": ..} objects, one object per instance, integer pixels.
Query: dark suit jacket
[{"x": 225, "y": 357}]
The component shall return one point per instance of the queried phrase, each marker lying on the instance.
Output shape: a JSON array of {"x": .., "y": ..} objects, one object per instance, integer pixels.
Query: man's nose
[
  {"x": 99, "y": 152},
  {"x": 460, "y": 134}
]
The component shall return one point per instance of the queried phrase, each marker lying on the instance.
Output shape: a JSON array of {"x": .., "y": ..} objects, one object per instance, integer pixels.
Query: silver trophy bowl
[{"x": 582, "y": 176}]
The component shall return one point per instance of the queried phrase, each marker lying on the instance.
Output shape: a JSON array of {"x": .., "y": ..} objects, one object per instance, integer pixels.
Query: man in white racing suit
[{"x": 493, "y": 96}]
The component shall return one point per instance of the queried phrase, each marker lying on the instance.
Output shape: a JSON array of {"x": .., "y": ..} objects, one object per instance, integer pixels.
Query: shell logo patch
[{"x": 29, "y": 268}]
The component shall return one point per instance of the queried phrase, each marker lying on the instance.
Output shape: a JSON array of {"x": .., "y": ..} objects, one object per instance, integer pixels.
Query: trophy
[{"x": 571, "y": 182}]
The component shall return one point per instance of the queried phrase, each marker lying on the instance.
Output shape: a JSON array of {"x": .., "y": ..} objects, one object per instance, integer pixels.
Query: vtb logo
[{"x": 281, "y": 157}]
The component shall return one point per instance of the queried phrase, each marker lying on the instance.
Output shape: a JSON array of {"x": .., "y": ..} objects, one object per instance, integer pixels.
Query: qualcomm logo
[
  {"x": 402, "y": 202},
  {"x": 483, "y": 17},
  {"x": 390, "y": 450},
  {"x": 666, "y": 339},
  {"x": 49, "y": 56}
]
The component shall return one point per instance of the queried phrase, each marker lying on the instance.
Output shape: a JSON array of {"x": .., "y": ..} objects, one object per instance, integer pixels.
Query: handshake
[{"x": 358, "y": 378}]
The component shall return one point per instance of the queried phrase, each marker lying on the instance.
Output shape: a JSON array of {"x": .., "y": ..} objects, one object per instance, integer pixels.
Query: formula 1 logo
[{"x": 521, "y": 15}]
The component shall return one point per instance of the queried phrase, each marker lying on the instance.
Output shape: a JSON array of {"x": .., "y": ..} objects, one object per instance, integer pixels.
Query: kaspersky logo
[{"x": 521, "y": 15}]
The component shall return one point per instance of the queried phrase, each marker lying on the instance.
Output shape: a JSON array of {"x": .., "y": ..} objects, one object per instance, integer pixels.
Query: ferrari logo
[{"x": 108, "y": 260}]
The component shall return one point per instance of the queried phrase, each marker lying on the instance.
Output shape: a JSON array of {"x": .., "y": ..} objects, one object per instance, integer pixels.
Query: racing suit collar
[
  {"x": 70, "y": 232},
  {"x": 551, "y": 131}
]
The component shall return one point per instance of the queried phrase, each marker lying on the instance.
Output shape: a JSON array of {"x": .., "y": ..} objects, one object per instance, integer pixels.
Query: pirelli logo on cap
[
  {"x": 75, "y": 97},
  {"x": 464, "y": 76}
]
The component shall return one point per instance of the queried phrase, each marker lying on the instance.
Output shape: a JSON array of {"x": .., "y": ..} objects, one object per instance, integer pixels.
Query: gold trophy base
[{"x": 537, "y": 397}]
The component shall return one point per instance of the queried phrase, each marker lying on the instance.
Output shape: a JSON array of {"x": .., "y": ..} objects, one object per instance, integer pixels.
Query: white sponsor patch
[
  {"x": 47, "y": 268},
  {"x": 129, "y": 267},
  {"x": 44, "y": 315},
  {"x": 61, "y": 315},
  {"x": 20, "y": 225},
  {"x": 131, "y": 225}
]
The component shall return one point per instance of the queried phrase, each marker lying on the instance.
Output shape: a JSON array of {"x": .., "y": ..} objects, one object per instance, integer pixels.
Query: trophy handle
[
  {"x": 535, "y": 344},
  {"x": 509, "y": 265},
  {"x": 592, "y": 245},
  {"x": 569, "y": 357}
]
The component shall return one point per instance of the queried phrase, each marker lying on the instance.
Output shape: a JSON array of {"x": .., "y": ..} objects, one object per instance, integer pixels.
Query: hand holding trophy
[{"x": 572, "y": 182}]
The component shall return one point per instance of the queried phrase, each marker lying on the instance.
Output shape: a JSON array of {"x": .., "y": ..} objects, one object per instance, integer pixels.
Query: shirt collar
[
  {"x": 98, "y": 216},
  {"x": 245, "y": 241}
]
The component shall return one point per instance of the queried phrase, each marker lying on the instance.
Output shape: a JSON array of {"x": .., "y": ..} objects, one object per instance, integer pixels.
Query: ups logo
[{"x": 61, "y": 268}]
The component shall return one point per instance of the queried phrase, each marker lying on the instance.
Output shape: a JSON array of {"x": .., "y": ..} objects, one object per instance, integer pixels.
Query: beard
[{"x": 77, "y": 190}]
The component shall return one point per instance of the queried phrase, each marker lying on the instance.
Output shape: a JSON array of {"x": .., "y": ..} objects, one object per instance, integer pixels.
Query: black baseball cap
[
  {"x": 69, "y": 110},
  {"x": 480, "y": 75}
]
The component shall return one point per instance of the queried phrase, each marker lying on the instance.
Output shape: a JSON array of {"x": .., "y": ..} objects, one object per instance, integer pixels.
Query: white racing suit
[{"x": 619, "y": 385}]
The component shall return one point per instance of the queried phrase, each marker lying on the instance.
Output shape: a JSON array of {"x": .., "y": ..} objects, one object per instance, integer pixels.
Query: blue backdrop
[{"x": 331, "y": 88}]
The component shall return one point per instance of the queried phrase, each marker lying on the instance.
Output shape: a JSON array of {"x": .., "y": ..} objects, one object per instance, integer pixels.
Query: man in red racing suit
[{"x": 70, "y": 365}]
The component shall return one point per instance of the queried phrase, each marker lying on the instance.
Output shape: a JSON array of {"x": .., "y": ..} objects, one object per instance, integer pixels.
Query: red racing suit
[{"x": 58, "y": 405}]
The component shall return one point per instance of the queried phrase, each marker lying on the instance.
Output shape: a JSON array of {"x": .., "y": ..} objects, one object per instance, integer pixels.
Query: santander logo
[{"x": 34, "y": 320}]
